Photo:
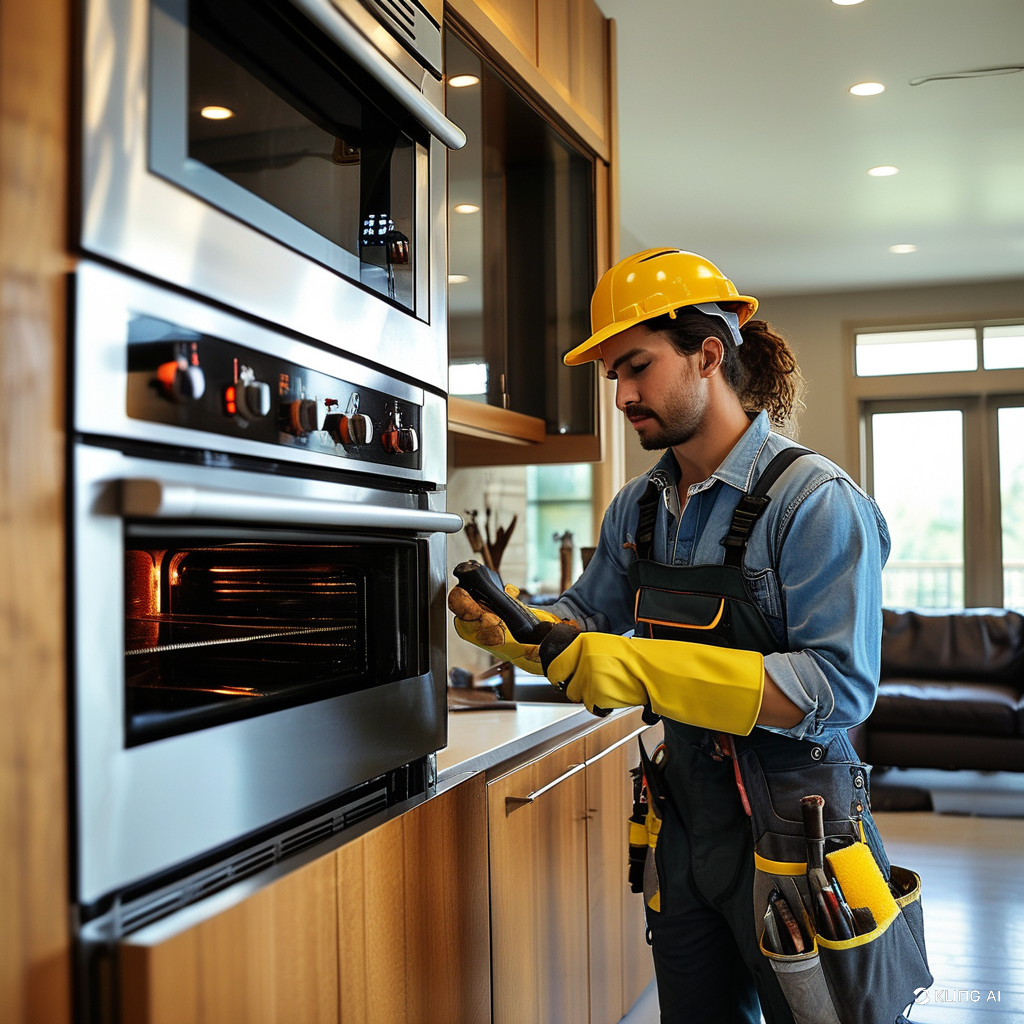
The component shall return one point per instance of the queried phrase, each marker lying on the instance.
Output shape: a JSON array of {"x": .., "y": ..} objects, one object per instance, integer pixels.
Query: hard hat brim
[{"x": 589, "y": 350}]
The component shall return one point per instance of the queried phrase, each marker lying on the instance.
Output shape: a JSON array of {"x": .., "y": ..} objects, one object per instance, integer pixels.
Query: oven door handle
[
  {"x": 160, "y": 499},
  {"x": 327, "y": 17}
]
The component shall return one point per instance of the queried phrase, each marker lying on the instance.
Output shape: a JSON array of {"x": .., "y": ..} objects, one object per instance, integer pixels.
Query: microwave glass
[
  {"x": 217, "y": 630},
  {"x": 267, "y": 120}
]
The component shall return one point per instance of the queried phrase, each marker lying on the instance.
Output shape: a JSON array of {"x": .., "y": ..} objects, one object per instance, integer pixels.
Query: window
[
  {"x": 558, "y": 499},
  {"x": 942, "y": 427}
]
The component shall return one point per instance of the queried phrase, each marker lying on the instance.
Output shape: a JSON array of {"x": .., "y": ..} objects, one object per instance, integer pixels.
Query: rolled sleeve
[{"x": 830, "y": 566}]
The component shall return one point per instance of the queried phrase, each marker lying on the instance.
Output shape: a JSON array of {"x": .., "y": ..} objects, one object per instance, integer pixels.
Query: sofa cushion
[
  {"x": 966, "y": 709},
  {"x": 977, "y": 645}
]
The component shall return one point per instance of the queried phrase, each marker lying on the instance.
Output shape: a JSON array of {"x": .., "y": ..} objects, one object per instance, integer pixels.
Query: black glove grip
[
  {"x": 558, "y": 639},
  {"x": 484, "y": 586}
]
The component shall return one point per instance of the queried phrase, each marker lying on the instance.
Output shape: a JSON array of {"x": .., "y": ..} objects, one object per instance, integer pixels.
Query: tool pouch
[{"x": 871, "y": 978}]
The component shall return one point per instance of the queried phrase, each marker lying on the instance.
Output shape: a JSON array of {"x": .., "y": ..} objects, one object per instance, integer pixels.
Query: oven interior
[{"x": 219, "y": 627}]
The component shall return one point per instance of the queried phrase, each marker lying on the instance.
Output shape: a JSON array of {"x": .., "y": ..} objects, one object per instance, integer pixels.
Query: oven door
[
  {"x": 247, "y": 646},
  {"x": 265, "y": 154}
]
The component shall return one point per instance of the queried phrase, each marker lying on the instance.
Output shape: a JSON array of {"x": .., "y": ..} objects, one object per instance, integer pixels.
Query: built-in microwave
[{"x": 283, "y": 157}]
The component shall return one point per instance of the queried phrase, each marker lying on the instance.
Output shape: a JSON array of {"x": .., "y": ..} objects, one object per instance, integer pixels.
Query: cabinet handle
[
  {"x": 514, "y": 802},
  {"x": 618, "y": 743}
]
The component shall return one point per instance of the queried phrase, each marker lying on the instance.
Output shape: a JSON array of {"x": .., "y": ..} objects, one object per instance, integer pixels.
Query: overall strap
[
  {"x": 648, "y": 512},
  {"x": 754, "y": 502}
]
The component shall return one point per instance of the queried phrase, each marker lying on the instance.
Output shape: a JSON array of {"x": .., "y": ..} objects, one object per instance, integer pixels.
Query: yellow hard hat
[{"x": 650, "y": 283}]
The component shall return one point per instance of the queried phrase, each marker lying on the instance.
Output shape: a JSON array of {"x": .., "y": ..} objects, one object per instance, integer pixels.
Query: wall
[{"x": 818, "y": 328}]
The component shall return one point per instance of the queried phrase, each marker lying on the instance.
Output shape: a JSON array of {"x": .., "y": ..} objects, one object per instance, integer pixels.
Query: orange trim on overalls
[{"x": 676, "y": 625}]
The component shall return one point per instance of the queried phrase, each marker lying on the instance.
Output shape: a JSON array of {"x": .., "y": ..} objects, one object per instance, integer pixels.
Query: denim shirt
[{"x": 813, "y": 564}]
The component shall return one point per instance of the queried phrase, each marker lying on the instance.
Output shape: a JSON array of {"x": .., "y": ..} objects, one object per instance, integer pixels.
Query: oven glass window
[
  {"x": 283, "y": 132},
  {"x": 215, "y": 632}
]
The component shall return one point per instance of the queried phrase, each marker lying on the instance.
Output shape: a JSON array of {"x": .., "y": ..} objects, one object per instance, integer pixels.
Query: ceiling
[{"x": 738, "y": 139}]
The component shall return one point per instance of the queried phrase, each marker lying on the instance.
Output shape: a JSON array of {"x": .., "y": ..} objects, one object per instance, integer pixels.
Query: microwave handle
[
  {"x": 325, "y": 15},
  {"x": 159, "y": 499}
]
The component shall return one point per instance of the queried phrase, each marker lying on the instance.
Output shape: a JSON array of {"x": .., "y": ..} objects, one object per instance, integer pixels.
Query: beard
[{"x": 681, "y": 418}]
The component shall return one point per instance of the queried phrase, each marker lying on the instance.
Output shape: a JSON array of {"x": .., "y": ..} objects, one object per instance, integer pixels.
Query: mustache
[{"x": 635, "y": 412}]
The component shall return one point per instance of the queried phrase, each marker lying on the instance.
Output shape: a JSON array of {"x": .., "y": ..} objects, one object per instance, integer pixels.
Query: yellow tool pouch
[{"x": 867, "y": 979}]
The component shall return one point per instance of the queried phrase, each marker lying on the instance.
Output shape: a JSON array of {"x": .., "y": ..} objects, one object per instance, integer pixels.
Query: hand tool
[
  {"x": 788, "y": 928},
  {"x": 814, "y": 839}
]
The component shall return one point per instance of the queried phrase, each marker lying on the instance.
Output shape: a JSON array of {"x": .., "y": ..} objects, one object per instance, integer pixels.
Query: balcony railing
[{"x": 941, "y": 584}]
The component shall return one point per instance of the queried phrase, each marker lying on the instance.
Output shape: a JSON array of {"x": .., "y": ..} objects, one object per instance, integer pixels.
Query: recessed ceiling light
[
  {"x": 866, "y": 89},
  {"x": 885, "y": 171},
  {"x": 462, "y": 81},
  {"x": 457, "y": 278},
  {"x": 466, "y": 208},
  {"x": 846, "y": 3},
  {"x": 902, "y": 249},
  {"x": 215, "y": 113}
]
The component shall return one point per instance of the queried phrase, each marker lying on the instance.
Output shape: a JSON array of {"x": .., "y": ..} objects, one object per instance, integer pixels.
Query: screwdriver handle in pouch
[{"x": 485, "y": 587}]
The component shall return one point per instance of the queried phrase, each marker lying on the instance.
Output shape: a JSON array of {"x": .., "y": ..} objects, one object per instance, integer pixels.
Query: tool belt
[{"x": 870, "y": 978}]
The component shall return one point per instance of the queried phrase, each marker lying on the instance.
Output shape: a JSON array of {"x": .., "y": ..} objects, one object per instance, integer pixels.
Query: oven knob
[
  {"x": 180, "y": 381},
  {"x": 254, "y": 400},
  {"x": 400, "y": 440},
  {"x": 299, "y": 417},
  {"x": 349, "y": 430}
]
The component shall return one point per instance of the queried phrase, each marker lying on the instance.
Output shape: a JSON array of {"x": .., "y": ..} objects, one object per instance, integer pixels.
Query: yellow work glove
[
  {"x": 483, "y": 628},
  {"x": 711, "y": 687}
]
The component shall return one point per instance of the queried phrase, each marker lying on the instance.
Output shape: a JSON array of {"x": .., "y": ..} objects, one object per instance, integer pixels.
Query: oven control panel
[{"x": 207, "y": 384}]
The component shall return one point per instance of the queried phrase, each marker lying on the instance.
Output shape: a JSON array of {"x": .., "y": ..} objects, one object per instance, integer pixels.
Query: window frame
[{"x": 978, "y": 394}]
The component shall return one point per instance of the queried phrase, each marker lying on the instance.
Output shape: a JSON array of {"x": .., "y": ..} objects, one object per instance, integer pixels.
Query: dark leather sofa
[{"x": 951, "y": 692}]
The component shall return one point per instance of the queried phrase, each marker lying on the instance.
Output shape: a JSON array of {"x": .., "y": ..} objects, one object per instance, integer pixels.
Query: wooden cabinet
[
  {"x": 537, "y": 175},
  {"x": 567, "y": 935},
  {"x": 538, "y": 843},
  {"x": 406, "y": 925},
  {"x": 390, "y": 928}
]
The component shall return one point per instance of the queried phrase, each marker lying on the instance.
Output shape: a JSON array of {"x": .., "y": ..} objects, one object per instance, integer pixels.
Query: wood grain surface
[{"x": 34, "y": 959}]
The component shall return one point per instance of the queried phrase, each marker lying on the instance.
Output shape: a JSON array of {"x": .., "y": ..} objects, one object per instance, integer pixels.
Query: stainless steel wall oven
[
  {"x": 283, "y": 157},
  {"x": 257, "y": 562}
]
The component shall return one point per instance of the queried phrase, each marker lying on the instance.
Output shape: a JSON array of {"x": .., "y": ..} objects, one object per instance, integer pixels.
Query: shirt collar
[{"x": 737, "y": 468}]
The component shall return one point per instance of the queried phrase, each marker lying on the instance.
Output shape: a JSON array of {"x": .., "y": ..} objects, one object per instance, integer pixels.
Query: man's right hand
[{"x": 483, "y": 628}]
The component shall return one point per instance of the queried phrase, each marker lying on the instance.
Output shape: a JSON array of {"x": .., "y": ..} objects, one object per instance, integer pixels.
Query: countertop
[{"x": 478, "y": 740}]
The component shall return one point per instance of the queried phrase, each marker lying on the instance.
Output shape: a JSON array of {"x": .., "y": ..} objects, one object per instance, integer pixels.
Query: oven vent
[
  {"x": 141, "y": 912},
  {"x": 364, "y": 807},
  {"x": 307, "y": 837}
]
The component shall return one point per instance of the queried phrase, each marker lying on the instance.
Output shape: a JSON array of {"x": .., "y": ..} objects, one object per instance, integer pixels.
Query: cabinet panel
[
  {"x": 271, "y": 959},
  {"x": 607, "y": 781},
  {"x": 555, "y": 43},
  {"x": 517, "y": 19},
  {"x": 447, "y": 914},
  {"x": 413, "y": 916},
  {"x": 539, "y": 892},
  {"x": 591, "y": 64}
]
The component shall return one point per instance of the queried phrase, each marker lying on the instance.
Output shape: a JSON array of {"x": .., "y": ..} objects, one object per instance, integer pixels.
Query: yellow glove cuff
[{"x": 711, "y": 687}]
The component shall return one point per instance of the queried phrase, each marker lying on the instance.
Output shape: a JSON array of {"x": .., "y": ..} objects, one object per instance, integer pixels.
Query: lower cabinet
[
  {"x": 390, "y": 928},
  {"x": 504, "y": 895},
  {"x": 567, "y": 934}
]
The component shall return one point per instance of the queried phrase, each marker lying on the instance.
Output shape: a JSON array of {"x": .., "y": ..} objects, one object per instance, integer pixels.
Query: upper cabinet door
[{"x": 521, "y": 215}]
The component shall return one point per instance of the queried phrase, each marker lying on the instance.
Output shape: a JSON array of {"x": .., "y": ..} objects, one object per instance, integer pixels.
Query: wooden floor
[
  {"x": 972, "y": 880},
  {"x": 972, "y": 883}
]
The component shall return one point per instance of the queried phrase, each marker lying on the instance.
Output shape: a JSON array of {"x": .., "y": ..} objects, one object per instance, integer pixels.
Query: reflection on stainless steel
[{"x": 237, "y": 640}]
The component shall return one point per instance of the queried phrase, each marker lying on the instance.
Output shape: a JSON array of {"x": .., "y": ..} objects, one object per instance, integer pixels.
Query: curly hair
[{"x": 763, "y": 371}]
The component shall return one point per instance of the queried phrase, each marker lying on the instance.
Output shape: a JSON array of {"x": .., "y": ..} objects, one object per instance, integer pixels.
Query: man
[{"x": 755, "y": 615}]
